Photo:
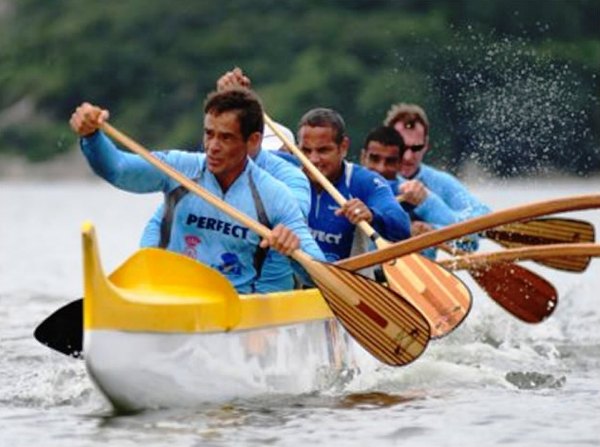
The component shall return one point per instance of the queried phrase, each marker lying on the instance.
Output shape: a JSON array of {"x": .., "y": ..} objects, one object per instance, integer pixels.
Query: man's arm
[
  {"x": 447, "y": 200},
  {"x": 283, "y": 210},
  {"x": 389, "y": 218},
  {"x": 151, "y": 235},
  {"x": 126, "y": 171}
]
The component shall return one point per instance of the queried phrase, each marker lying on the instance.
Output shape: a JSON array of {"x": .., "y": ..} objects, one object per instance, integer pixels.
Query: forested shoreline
[{"x": 511, "y": 86}]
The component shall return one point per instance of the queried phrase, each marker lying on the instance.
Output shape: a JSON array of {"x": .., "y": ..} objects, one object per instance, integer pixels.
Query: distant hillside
[{"x": 512, "y": 86}]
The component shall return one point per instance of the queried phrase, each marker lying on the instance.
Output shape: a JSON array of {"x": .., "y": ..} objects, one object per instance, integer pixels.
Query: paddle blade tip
[
  {"x": 62, "y": 331},
  {"x": 384, "y": 323}
]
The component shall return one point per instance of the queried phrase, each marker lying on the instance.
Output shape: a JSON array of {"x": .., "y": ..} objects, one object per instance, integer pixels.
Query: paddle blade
[
  {"x": 521, "y": 292},
  {"x": 383, "y": 322},
  {"x": 548, "y": 231},
  {"x": 441, "y": 296},
  {"x": 63, "y": 330}
]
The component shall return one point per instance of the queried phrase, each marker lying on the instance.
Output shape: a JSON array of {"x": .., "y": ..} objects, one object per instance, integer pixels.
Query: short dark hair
[
  {"x": 388, "y": 136},
  {"x": 244, "y": 102},
  {"x": 322, "y": 117}
]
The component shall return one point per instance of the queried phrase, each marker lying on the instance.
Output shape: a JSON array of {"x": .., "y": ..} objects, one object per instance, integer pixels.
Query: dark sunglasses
[{"x": 415, "y": 147}]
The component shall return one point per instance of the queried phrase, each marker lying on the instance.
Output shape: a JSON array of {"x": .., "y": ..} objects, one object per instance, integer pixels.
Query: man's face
[
  {"x": 226, "y": 150},
  {"x": 319, "y": 146},
  {"x": 414, "y": 138},
  {"x": 384, "y": 160}
]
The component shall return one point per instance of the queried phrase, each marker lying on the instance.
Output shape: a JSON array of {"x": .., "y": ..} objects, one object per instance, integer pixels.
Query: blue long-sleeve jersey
[
  {"x": 200, "y": 230},
  {"x": 335, "y": 234}
]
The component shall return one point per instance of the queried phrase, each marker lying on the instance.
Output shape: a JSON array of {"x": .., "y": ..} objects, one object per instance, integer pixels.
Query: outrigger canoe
[{"x": 164, "y": 330}]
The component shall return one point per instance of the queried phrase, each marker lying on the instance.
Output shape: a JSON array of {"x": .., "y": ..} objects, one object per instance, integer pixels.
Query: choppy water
[{"x": 494, "y": 381}]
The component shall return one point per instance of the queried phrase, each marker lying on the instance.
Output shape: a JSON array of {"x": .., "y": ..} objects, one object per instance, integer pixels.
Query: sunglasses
[{"x": 415, "y": 147}]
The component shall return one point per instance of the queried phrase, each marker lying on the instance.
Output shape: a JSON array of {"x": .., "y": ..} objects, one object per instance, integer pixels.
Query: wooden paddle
[
  {"x": 547, "y": 231},
  {"x": 442, "y": 297},
  {"x": 383, "y": 322},
  {"x": 544, "y": 231},
  {"x": 536, "y": 252},
  {"x": 475, "y": 225},
  {"x": 521, "y": 292}
]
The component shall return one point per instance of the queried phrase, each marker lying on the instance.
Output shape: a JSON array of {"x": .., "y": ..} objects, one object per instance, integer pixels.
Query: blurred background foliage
[{"x": 510, "y": 85}]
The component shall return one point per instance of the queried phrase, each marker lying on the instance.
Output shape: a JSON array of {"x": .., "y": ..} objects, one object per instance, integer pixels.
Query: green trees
[{"x": 510, "y": 85}]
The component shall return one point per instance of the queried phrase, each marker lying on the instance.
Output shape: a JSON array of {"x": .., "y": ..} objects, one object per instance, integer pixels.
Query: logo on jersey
[
  {"x": 379, "y": 183},
  {"x": 191, "y": 242},
  {"x": 329, "y": 238},
  {"x": 210, "y": 223},
  {"x": 230, "y": 264}
]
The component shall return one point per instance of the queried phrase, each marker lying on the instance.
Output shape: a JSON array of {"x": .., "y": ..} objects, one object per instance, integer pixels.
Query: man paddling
[
  {"x": 276, "y": 272},
  {"x": 322, "y": 138},
  {"x": 382, "y": 153},
  {"x": 432, "y": 197},
  {"x": 233, "y": 126}
]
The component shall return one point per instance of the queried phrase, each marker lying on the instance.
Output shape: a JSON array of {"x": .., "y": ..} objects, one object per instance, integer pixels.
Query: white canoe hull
[{"x": 149, "y": 370}]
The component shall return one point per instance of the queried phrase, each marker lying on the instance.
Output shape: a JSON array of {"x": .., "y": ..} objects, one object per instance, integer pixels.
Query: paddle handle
[
  {"x": 137, "y": 148},
  {"x": 315, "y": 173},
  {"x": 457, "y": 230}
]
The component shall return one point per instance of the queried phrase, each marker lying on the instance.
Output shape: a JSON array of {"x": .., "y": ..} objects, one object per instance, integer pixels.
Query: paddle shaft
[
  {"x": 475, "y": 225},
  {"x": 521, "y": 254}
]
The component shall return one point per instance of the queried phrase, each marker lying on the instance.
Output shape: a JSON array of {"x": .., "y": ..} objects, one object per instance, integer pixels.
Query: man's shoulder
[
  {"x": 428, "y": 171},
  {"x": 290, "y": 158},
  {"x": 277, "y": 168},
  {"x": 365, "y": 180},
  {"x": 188, "y": 162},
  {"x": 180, "y": 155},
  {"x": 273, "y": 163},
  {"x": 263, "y": 177}
]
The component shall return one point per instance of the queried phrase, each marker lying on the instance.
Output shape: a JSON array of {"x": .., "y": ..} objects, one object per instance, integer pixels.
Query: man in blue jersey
[
  {"x": 233, "y": 126},
  {"x": 322, "y": 138},
  {"x": 382, "y": 152},
  {"x": 435, "y": 198},
  {"x": 276, "y": 272}
]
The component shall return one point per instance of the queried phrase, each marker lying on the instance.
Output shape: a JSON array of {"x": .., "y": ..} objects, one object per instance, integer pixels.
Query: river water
[{"x": 494, "y": 381}]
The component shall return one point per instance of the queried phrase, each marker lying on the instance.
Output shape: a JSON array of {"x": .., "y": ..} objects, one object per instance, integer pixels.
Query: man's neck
[
  {"x": 254, "y": 153},
  {"x": 333, "y": 179},
  {"x": 227, "y": 179}
]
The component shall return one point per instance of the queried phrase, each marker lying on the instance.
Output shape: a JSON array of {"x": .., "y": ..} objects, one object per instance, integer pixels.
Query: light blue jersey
[
  {"x": 447, "y": 203},
  {"x": 199, "y": 229},
  {"x": 276, "y": 271}
]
